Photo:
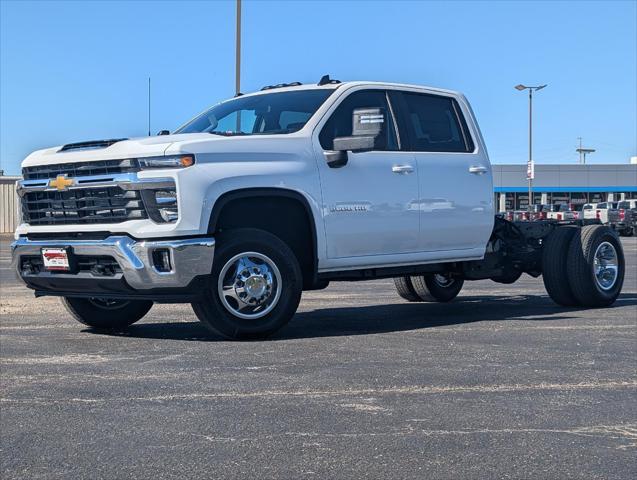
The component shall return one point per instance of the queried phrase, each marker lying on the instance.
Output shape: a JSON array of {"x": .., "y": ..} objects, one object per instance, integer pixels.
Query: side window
[
  {"x": 340, "y": 123},
  {"x": 435, "y": 124}
]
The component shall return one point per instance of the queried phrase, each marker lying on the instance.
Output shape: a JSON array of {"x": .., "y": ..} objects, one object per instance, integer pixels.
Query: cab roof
[{"x": 296, "y": 86}]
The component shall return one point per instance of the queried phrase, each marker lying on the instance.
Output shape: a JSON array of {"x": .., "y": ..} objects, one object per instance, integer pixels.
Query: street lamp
[
  {"x": 237, "y": 60},
  {"x": 530, "y": 169}
]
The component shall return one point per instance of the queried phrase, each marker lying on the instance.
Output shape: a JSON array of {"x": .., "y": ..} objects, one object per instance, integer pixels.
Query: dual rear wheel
[
  {"x": 583, "y": 266},
  {"x": 429, "y": 288}
]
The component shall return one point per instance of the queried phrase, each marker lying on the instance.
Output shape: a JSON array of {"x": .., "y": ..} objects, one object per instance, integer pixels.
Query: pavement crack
[
  {"x": 397, "y": 390},
  {"x": 622, "y": 432}
]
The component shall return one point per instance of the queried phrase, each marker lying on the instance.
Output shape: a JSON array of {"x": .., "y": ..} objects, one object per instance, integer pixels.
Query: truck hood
[{"x": 128, "y": 148}]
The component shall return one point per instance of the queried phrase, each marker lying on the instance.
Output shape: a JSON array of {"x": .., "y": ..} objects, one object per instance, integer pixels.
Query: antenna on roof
[{"x": 326, "y": 80}]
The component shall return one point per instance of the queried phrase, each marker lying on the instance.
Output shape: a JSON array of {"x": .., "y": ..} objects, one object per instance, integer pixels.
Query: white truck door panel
[
  {"x": 369, "y": 207},
  {"x": 455, "y": 182},
  {"x": 455, "y": 203},
  {"x": 369, "y": 204}
]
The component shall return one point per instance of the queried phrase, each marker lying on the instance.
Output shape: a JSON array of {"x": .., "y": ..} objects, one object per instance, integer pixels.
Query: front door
[{"x": 369, "y": 204}]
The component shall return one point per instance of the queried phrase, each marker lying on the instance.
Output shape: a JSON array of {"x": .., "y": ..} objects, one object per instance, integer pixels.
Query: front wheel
[
  {"x": 437, "y": 287},
  {"x": 255, "y": 287},
  {"x": 106, "y": 314}
]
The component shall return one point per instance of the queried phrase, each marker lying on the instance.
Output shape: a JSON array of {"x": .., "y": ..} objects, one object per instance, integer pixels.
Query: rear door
[{"x": 456, "y": 189}]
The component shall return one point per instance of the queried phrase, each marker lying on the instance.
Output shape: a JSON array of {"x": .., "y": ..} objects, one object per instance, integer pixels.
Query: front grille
[
  {"x": 81, "y": 169},
  {"x": 81, "y": 206}
]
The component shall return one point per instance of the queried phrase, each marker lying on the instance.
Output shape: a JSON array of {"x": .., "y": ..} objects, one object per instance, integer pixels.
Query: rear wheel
[
  {"x": 255, "y": 286},
  {"x": 107, "y": 314},
  {"x": 595, "y": 266},
  {"x": 554, "y": 272},
  {"x": 405, "y": 289},
  {"x": 437, "y": 287}
]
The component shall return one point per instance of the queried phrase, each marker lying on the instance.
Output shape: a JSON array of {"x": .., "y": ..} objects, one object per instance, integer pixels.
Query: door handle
[
  {"x": 402, "y": 169},
  {"x": 477, "y": 169}
]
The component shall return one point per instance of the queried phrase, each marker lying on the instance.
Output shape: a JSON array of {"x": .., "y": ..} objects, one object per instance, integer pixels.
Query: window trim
[
  {"x": 467, "y": 137},
  {"x": 390, "y": 111}
]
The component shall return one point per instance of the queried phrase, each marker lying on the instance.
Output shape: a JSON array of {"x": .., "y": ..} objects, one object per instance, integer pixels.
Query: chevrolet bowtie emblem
[{"x": 61, "y": 182}]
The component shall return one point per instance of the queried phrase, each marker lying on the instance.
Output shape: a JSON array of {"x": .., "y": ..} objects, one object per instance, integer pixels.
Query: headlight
[{"x": 171, "y": 161}]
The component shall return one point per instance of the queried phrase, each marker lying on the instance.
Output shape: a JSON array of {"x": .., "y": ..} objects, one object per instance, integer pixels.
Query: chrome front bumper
[{"x": 189, "y": 258}]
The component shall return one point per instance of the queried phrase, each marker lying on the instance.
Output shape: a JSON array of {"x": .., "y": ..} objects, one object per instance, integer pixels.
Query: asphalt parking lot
[{"x": 501, "y": 383}]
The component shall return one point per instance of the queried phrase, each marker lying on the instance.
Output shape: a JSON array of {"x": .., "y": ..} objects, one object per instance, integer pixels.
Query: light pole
[
  {"x": 530, "y": 168},
  {"x": 237, "y": 67},
  {"x": 583, "y": 152}
]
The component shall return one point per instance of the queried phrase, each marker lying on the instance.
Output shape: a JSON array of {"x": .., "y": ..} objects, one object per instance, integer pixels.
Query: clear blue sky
[{"x": 73, "y": 71}]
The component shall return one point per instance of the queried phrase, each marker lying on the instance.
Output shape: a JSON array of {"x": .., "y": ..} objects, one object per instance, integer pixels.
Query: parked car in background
[
  {"x": 627, "y": 221},
  {"x": 543, "y": 212},
  {"x": 561, "y": 211},
  {"x": 605, "y": 212}
]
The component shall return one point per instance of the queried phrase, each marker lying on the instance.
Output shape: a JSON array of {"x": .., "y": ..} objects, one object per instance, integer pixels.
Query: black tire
[
  {"x": 405, "y": 289},
  {"x": 586, "y": 286},
  {"x": 431, "y": 289},
  {"x": 218, "y": 317},
  {"x": 555, "y": 252},
  {"x": 106, "y": 314}
]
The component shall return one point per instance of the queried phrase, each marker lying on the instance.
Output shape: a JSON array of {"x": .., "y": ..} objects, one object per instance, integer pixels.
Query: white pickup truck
[
  {"x": 271, "y": 193},
  {"x": 606, "y": 212}
]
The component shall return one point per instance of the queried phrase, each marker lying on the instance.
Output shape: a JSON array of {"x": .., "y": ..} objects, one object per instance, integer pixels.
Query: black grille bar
[
  {"x": 81, "y": 169},
  {"x": 81, "y": 206}
]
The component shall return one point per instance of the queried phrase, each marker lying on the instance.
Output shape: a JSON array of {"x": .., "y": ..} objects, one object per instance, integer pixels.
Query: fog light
[
  {"x": 168, "y": 215},
  {"x": 161, "y": 205},
  {"x": 161, "y": 260}
]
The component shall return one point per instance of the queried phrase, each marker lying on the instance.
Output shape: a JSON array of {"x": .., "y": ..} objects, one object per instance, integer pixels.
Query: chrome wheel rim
[
  {"x": 108, "y": 303},
  {"x": 249, "y": 285},
  {"x": 606, "y": 265},
  {"x": 444, "y": 280}
]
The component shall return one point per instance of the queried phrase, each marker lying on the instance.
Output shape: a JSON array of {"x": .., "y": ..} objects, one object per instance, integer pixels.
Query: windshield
[{"x": 271, "y": 113}]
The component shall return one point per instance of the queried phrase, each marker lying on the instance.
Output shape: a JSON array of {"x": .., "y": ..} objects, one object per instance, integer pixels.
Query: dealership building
[{"x": 575, "y": 184}]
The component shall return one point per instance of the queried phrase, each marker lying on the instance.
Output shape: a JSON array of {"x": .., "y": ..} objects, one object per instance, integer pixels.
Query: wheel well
[{"x": 285, "y": 214}]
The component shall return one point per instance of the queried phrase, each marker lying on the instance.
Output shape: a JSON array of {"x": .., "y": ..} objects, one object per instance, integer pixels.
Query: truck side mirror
[{"x": 367, "y": 128}]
